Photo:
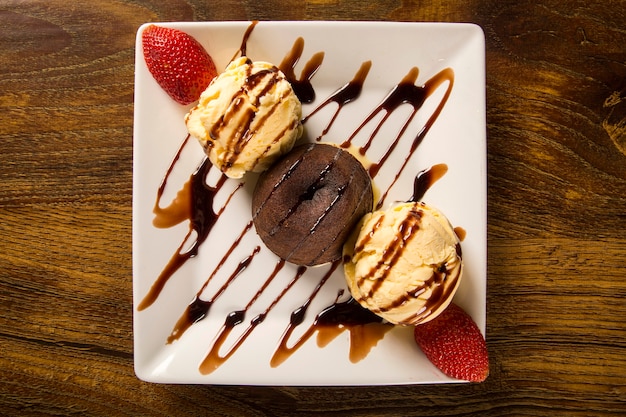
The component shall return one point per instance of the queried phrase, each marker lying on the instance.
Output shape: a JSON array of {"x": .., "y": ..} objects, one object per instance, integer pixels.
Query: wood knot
[{"x": 615, "y": 122}]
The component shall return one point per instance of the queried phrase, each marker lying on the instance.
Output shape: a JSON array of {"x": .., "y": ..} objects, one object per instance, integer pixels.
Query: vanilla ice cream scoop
[
  {"x": 404, "y": 264},
  {"x": 246, "y": 118}
]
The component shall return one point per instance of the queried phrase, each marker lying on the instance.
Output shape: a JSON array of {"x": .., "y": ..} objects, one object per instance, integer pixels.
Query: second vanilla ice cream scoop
[
  {"x": 246, "y": 118},
  {"x": 404, "y": 264}
]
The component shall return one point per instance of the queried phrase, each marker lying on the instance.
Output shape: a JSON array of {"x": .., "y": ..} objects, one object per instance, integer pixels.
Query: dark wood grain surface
[{"x": 556, "y": 95}]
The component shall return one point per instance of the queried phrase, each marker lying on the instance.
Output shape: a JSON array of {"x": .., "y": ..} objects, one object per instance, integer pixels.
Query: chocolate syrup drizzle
[
  {"x": 301, "y": 86},
  {"x": 198, "y": 308},
  {"x": 214, "y": 359},
  {"x": 425, "y": 179},
  {"x": 194, "y": 202},
  {"x": 201, "y": 216},
  {"x": 329, "y": 323},
  {"x": 349, "y": 92},
  {"x": 406, "y": 92}
]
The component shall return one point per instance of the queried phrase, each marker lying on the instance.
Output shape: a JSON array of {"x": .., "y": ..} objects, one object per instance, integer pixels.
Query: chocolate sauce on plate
[
  {"x": 425, "y": 179},
  {"x": 201, "y": 218},
  {"x": 346, "y": 94},
  {"x": 301, "y": 86}
]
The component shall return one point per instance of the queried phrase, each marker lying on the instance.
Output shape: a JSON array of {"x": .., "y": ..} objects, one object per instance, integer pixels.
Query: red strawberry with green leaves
[
  {"x": 454, "y": 344},
  {"x": 178, "y": 62}
]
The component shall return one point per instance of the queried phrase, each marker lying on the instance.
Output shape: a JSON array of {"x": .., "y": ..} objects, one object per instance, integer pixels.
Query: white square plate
[{"x": 457, "y": 138}]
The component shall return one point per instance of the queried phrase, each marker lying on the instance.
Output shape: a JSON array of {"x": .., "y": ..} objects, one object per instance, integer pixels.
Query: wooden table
[{"x": 556, "y": 93}]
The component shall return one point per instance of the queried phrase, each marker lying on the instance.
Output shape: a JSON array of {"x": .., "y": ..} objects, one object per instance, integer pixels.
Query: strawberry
[
  {"x": 178, "y": 62},
  {"x": 455, "y": 345}
]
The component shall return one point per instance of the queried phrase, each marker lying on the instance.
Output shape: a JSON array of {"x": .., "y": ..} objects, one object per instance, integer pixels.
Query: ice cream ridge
[
  {"x": 404, "y": 263},
  {"x": 246, "y": 118}
]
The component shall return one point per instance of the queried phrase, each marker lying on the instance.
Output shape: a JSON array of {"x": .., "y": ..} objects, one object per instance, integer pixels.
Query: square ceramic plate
[{"x": 456, "y": 138}]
